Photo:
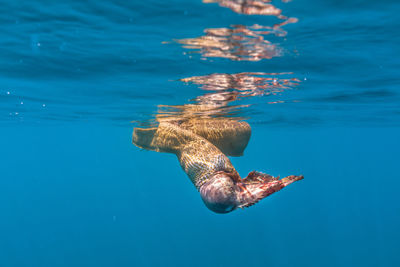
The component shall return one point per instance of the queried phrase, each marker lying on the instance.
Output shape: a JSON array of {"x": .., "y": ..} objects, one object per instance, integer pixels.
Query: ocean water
[{"x": 318, "y": 81}]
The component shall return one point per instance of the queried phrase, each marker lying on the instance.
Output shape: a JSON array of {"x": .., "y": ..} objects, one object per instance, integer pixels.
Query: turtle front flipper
[{"x": 257, "y": 186}]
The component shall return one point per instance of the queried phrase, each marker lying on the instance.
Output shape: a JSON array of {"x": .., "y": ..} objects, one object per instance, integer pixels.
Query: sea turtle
[{"x": 202, "y": 146}]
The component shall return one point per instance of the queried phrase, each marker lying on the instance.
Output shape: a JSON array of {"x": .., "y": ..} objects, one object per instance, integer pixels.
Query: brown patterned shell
[{"x": 200, "y": 144}]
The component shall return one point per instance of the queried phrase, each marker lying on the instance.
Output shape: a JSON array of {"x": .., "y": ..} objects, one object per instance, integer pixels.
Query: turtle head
[{"x": 219, "y": 193}]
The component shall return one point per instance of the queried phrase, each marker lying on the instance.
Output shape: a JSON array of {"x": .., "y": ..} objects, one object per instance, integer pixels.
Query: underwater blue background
[{"x": 77, "y": 76}]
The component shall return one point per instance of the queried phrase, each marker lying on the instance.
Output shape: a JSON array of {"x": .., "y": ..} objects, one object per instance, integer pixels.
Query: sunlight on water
[{"x": 115, "y": 73}]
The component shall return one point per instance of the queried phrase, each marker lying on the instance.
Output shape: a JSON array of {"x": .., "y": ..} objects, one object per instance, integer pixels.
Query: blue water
[{"x": 77, "y": 76}]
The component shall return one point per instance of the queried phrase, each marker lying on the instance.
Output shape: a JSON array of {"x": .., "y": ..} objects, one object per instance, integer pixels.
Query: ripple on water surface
[{"x": 107, "y": 61}]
